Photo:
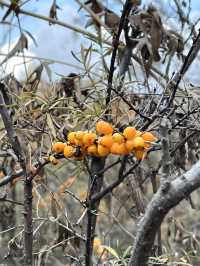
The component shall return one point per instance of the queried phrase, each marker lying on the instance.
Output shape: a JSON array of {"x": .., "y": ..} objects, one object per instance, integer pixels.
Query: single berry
[
  {"x": 118, "y": 138},
  {"x": 102, "y": 150},
  {"x": 130, "y": 145},
  {"x": 129, "y": 132},
  {"x": 122, "y": 150},
  {"x": 71, "y": 137},
  {"x": 80, "y": 135},
  {"x": 58, "y": 147},
  {"x": 148, "y": 138},
  {"x": 115, "y": 148},
  {"x": 106, "y": 141},
  {"x": 138, "y": 143},
  {"x": 104, "y": 128},
  {"x": 89, "y": 138},
  {"x": 92, "y": 149},
  {"x": 69, "y": 151}
]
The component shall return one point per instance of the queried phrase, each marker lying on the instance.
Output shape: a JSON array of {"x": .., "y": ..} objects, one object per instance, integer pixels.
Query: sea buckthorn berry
[
  {"x": 106, "y": 141},
  {"x": 148, "y": 136},
  {"x": 72, "y": 138},
  {"x": 122, "y": 149},
  {"x": 58, "y": 147},
  {"x": 102, "y": 150},
  {"x": 118, "y": 138},
  {"x": 130, "y": 145},
  {"x": 69, "y": 151},
  {"x": 140, "y": 154},
  {"x": 89, "y": 138},
  {"x": 115, "y": 148},
  {"x": 53, "y": 160},
  {"x": 92, "y": 149},
  {"x": 104, "y": 128},
  {"x": 129, "y": 132},
  {"x": 138, "y": 143},
  {"x": 80, "y": 135}
]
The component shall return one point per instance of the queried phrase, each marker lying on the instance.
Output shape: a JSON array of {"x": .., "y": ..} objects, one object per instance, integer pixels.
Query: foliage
[{"x": 86, "y": 159}]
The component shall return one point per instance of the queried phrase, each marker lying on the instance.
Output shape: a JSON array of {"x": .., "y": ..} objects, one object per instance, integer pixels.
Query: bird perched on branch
[{"x": 14, "y": 6}]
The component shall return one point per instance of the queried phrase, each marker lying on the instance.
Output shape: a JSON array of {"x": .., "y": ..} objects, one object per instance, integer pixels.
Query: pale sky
[{"x": 56, "y": 42}]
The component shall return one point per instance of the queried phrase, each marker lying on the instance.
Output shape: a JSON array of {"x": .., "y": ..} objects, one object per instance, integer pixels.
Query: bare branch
[{"x": 162, "y": 202}]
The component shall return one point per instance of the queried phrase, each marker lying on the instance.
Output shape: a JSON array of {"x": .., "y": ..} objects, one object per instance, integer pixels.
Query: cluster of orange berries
[{"x": 105, "y": 141}]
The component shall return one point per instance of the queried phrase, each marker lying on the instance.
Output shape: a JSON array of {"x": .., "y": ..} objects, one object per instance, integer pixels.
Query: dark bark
[
  {"x": 167, "y": 197},
  {"x": 95, "y": 185}
]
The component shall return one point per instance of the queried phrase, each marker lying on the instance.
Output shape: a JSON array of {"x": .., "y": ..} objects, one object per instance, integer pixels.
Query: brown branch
[
  {"x": 162, "y": 202},
  {"x": 7, "y": 179},
  {"x": 28, "y": 233},
  {"x": 111, "y": 187},
  {"x": 95, "y": 184},
  {"x": 125, "y": 13},
  {"x": 174, "y": 83}
]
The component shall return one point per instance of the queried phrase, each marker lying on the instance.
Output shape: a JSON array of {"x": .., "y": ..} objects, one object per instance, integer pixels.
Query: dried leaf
[
  {"x": 66, "y": 184},
  {"x": 112, "y": 20},
  {"x": 48, "y": 70},
  {"x": 111, "y": 251},
  {"x": 53, "y": 11},
  {"x": 121, "y": 113},
  {"x": 51, "y": 125},
  {"x": 21, "y": 44},
  {"x": 54, "y": 207}
]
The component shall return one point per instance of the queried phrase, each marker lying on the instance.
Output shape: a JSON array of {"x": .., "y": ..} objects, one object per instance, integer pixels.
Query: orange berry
[
  {"x": 119, "y": 149},
  {"x": 92, "y": 149},
  {"x": 114, "y": 148},
  {"x": 53, "y": 160},
  {"x": 72, "y": 138},
  {"x": 130, "y": 145},
  {"x": 148, "y": 138},
  {"x": 58, "y": 147},
  {"x": 118, "y": 138},
  {"x": 106, "y": 141},
  {"x": 140, "y": 154},
  {"x": 89, "y": 138},
  {"x": 102, "y": 150},
  {"x": 80, "y": 135},
  {"x": 122, "y": 149},
  {"x": 104, "y": 128},
  {"x": 69, "y": 151},
  {"x": 138, "y": 143},
  {"x": 129, "y": 132}
]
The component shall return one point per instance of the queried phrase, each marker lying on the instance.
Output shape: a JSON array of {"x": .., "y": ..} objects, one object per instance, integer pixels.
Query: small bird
[{"x": 14, "y": 6}]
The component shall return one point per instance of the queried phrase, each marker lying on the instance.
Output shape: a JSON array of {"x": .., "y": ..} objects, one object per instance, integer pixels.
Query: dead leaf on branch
[
  {"x": 21, "y": 44},
  {"x": 152, "y": 36},
  {"x": 121, "y": 113},
  {"x": 53, "y": 11}
]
